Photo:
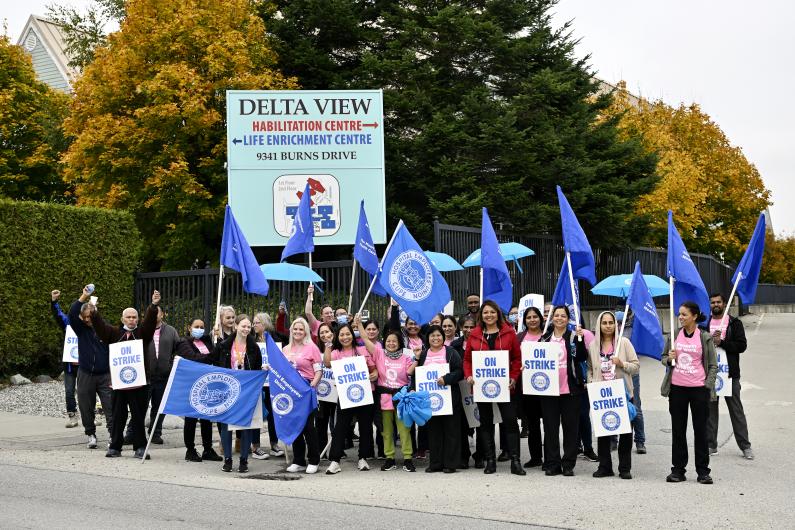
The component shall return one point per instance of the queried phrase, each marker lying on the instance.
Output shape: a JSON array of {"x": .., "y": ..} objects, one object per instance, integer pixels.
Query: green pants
[{"x": 389, "y": 419}]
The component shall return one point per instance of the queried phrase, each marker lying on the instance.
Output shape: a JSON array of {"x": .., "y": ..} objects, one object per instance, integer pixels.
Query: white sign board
[
  {"x": 441, "y": 396},
  {"x": 353, "y": 382},
  {"x": 608, "y": 407},
  {"x": 540, "y": 368},
  {"x": 70, "y": 354},
  {"x": 127, "y": 364},
  {"x": 327, "y": 388},
  {"x": 723, "y": 384},
  {"x": 449, "y": 308},
  {"x": 471, "y": 408},
  {"x": 490, "y": 371},
  {"x": 529, "y": 300}
]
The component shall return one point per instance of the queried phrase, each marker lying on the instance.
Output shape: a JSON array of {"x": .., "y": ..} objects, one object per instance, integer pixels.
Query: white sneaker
[
  {"x": 311, "y": 470},
  {"x": 748, "y": 454},
  {"x": 260, "y": 454},
  {"x": 363, "y": 465},
  {"x": 713, "y": 452},
  {"x": 275, "y": 451},
  {"x": 295, "y": 468},
  {"x": 333, "y": 468},
  {"x": 92, "y": 442}
]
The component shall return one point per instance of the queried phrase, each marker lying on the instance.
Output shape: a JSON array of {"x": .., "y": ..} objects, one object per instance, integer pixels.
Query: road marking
[
  {"x": 759, "y": 323},
  {"x": 778, "y": 403},
  {"x": 751, "y": 386}
]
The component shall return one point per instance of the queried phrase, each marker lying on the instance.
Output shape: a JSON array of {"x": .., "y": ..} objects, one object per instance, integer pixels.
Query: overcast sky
[{"x": 734, "y": 58}]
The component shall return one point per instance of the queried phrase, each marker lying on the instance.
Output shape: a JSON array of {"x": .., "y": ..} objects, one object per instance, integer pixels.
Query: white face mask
[{"x": 127, "y": 328}]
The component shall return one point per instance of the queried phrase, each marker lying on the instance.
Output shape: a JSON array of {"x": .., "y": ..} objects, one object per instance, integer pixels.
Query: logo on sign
[
  {"x": 491, "y": 388},
  {"x": 323, "y": 388},
  {"x": 476, "y": 413},
  {"x": 128, "y": 374},
  {"x": 282, "y": 404},
  {"x": 74, "y": 353},
  {"x": 611, "y": 421},
  {"x": 539, "y": 381},
  {"x": 214, "y": 393},
  {"x": 355, "y": 393},
  {"x": 437, "y": 402},
  {"x": 411, "y": 276},
  {"x": 718, "y": 384}
]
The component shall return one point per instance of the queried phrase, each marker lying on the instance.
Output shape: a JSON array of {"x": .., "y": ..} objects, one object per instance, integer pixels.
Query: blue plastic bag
[{"x": 413, "y": 407}]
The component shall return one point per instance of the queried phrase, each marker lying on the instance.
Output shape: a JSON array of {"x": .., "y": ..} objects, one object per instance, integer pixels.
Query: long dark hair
[
  {"x": 694, "y": 310},
  {"x": 336, "y": 344},
  {"x": 533, "y": 309},
  {"x": 500, "y": 317},
  {"x": 320, "y": 344}
]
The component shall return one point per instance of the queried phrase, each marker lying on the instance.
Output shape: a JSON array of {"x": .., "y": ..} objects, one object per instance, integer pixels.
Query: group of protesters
[{"x": 392, "y": 352}]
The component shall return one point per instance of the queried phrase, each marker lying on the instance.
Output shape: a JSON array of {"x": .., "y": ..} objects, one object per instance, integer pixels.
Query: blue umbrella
[
  {"x": 618, "y": 285},
  {"x": 510, "y": 252},
  {"x": 443, "y": 262},
  {"x": 289, "y": 272}
]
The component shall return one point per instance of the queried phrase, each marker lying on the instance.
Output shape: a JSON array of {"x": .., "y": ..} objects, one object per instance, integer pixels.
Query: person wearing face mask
[
  {"x": 493, "y": 332},
  {"x": 238, "y": 352},
  {"x": 513, "y": 317},
  {"x": 326, "y": 313},
  {"x": 136, "y": 399},
  {"x": 326, "y": 409},
  {"x": 689, "y": 384},
  {"x": 606, "y": 363},
  {"x": 531, "y": 405},
  {"x": 197, "y": 346}
]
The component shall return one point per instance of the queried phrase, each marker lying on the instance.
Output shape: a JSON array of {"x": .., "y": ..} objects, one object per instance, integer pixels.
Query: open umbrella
[
  {"x": 443, "y": 262},
  {"x": 510, "y": 251},
  {"x": 618, "y": 285},
  {"x": 289, "y": 272}
]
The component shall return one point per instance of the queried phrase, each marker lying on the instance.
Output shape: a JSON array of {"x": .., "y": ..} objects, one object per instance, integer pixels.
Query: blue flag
[
  {"x": 411, "y": 279},
  {"x": 687, "y": 282},
  {"x": 364, "y": 250},
  {"x": 237, "y": 255},
  {"x": 497, "y": 285},
  {"x": 292, "y": 399},
  {"x": 303, "y": 231},
  {"x": 203, "y": 391},
  {"x": 751, "y": 264},
  {"x": 575, "y": 242},
  {"x": 563, "y": 294},
  {"x": 647, "y": 336}
]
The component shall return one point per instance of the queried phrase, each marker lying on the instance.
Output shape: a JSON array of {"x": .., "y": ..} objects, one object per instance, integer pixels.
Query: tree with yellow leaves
[
  {"x": 148, "y": 119},
  {"x": 716, "y": 194}
]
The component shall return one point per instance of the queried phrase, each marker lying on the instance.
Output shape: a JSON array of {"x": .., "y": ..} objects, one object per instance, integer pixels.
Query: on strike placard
[
  {"x": 353, "y": 382},
  {"x": 471, "y": 408},
  {"x": 723, "y": 384},
  {"x": 70, "y": 352},
  {"x": 127, "y": 364},
  {"x": 540, "y": 368},
  {"x": 441, "y": 396},
  {"x": 326, "y": 387},
  {"x": 608, "y": 406},
  {"x": 490, "y": 371}
]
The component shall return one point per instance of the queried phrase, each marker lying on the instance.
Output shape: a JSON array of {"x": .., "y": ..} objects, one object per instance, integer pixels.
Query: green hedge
[{"x": 45, "y": 246}]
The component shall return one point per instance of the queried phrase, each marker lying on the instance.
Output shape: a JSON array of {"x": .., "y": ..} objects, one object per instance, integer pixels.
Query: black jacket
[
  {"x": 93, "y": 352},
  {"x": 111, "y": 334},
  {"x": 734, "y": 344},
  {"x": 451, "y": 379},
  {"x": 459, "y": 345},
  {"x": 576, "y": 353},
  {"x": 188, "y": 350},
  {"x": 222, "y": 355},
  {"x": 161, "y": 362}
]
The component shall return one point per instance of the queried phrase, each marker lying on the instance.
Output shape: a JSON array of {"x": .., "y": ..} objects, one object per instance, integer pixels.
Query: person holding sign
[
  {"x": 493, "y": 332},
  {"x": 611, "y": 359},
  {"x": 326, "y": 409},
  {"x": 343, "y": 347},
  {"x": 136, "y": 398},
  {"x": 302, "y": 353},
  {"x": 563, "y": 410},
  {"x": 239, "y": 351},
  {"x": 689, "y": 382},
  {"x": 531, "y": 404},
  {"x": 69, "y": 368},
  {"x": 730, "y": 337},
  {"x": 444, "y": 431}
]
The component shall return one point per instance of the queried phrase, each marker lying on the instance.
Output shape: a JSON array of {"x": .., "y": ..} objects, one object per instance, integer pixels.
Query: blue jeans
[
  {"x": 69, "y": 381},
  {"x": 637, "y": 423},
  {"x": 226, "y": 441}
]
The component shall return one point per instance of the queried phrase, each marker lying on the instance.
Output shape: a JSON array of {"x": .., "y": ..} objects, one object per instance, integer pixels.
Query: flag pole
[
  {"x": 218, "y": 303},
  {"x": 725, "y": 317},
  {"x": 671, "y": 298},
  {"x": 163, "y": 401},
  {"x": 353, "y": 278},
  {"x": 573, "y": 292},
  {"x": 375, "y": 276},
  {"x": 481, "y": 279},
  {"x": 620, "y": 335}
]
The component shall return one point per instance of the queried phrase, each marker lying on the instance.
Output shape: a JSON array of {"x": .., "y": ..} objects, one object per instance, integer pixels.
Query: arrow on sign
[
  {"x": 236, "y": 141},
  {"x": 374, "y": 124}
]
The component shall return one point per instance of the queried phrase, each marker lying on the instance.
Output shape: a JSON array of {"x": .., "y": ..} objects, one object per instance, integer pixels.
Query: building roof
[{"x": 43, "y": 40}]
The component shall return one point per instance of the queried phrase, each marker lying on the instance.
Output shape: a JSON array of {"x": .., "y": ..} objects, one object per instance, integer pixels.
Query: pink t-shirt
[
  {"x": 436, "y": 357},
  {"x": 714, "y": 325},
  {"x": 315, "y": 328},
  {"x": 238, "y": 354},
  {"x": 392, "y": 373},
  {"x": 606, "y": 357},
  {"x": 415, "y": 343},
  {"x": 201, "y": 346},
  {"x": 587, "y": 336},
  {"x": 531, "y": 338},
  {"x": 156, "y": 340},
  {"x": 305, "y": 358},
  {"x": 689, "y": 370},
  {"x": 563, "y": 371}
]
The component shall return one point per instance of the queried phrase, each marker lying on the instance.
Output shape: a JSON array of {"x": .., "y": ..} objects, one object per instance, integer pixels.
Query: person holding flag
[{"x": 686, "y": 284}]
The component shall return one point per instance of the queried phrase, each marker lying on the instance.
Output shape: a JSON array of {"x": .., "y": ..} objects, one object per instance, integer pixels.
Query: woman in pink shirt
[
  {"x": 302, "y": 353},
  {"x": 450, "y": 329},
  {"x": 689, "y": 383},
  {"x": 531, "y": 405}
]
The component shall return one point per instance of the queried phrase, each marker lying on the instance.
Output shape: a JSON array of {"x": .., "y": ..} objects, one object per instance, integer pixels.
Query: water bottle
[{"x": 90, "y": 288}]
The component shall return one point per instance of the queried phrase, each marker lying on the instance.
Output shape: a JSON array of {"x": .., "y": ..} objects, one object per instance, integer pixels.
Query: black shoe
[
  {"x": 705, "y": 479},
  {"x": 211, "y": 456},
  {"x": 192, "y": 456},
  {"x": 479, "y": 464},
  {"x": 553, "y": 472},
  {"x": 430, "y": 469},
  {"x": 157, "y": 439},
  {"x": 139, "y": 453},
  {"x": 640, "y": 448},
  {"x": 227, "y": 465},
  {"x": 516, "y": 467},
  {"x": 626, "y": 475},
  {"x": 243, "y": 466},
  {"x": 589, "y": 455},
  {"x": 533, "y": 463},
  {"x": 599, "y": 473},
  {"x": 113, "y": 453},
  {"x": 491, "y": 467},
  {"x": 389, "y": 465},
  {"x": 381, "y": 455},
  {"x": 503, "y": 456},
  {"x": 408, "y": 465},
  {"x": 463, "y": 465},
  {"x": 128, "y": 439},
  {"x": 523, "y": 434},
  {"x": 675, "y": 477},
  {"x": 448, "y": 470},
  {"x": 568, "y": 472}
]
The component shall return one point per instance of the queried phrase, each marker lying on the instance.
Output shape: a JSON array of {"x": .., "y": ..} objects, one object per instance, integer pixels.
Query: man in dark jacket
[
  {"x": 70, "y": 368},
  {"x": 733, "y": 341},
  {"x": 93, "y": 374},
  {"x": 137, "y": 399},
  {"x": 160, "y": 354}
]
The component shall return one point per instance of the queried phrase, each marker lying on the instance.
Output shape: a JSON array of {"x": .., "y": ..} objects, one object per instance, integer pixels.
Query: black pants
[
  {"x": 157, "y": 389},
  {"x": 307, "y": 442},
  {"x": 324, "y": 418},
  {"x": 364, "y": 415},
  {"x": 378, "y": 425},
  {"x": 696, "y": 399},
  {"x": 624, "y": 452},
  {"x": 444, "y": 438},
  {"x": 531, "y": 406},
  {"x": 585, "y": 422},
  {"x": 486, "y": 429},
  {"x": 137, "y": 400},
  {"x": 560, "y": 411},
  {"x": 189, "y": 433}
]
